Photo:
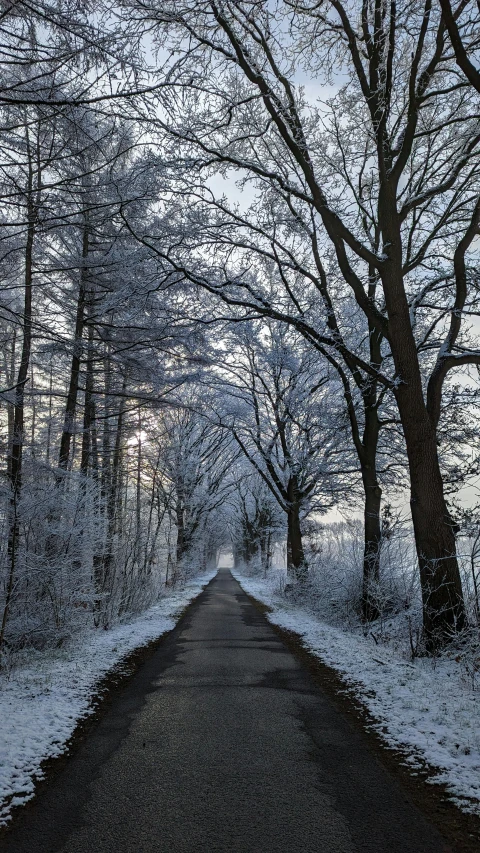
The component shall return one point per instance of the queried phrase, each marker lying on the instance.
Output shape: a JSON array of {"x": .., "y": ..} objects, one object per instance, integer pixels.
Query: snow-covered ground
[
  {"x": 427, "y": 709},
  {"x": 42, "y": 700}
]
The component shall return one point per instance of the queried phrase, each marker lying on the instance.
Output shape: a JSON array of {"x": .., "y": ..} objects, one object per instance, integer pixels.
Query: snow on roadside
[
  {"x": 424, "y": 708},
  {"x": 42, "y": 701}
]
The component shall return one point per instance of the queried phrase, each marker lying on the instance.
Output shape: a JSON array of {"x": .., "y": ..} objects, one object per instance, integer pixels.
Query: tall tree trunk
[
  {"x": 180, "y": 522},
  {"x": 71, "y": 404},
  {"x": 105, "y": 580},
  {"x": 89, "y": 454},
  {"x": 89, "y": 445},
  {"x": 106, "y": 471},
  {"x": 16, "y": 448},
  {"x": 372, "y": 543},
  {"x": 150, "y": 542},
  {"x": 50, "y": 409},
  {"x": 237, "y": 556},
  {"x": 34, "y": 415},
  {"x": 443, "y": 607},
  {"x": 265, "y": 546},
  {"x": 296, "y": 563},
  {"x": 106, "y": 438},
  {"x": 10, "y": 371},
  {"x": 138, "y": 502},
  {"x": 372, "y": 505},
  {"x": 366, "y": 447}
]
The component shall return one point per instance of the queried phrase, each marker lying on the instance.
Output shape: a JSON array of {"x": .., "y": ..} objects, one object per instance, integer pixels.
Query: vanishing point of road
[{"x": 222, "y": 743}]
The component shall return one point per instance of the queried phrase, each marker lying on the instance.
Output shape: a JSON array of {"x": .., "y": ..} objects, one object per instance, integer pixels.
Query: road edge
[
  {"x": 458, "y": 828},
  {"x": 103, "y": 696}
]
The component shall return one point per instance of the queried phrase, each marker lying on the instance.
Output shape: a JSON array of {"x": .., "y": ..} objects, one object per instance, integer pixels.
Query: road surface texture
[{"x": 222, "y": 742}]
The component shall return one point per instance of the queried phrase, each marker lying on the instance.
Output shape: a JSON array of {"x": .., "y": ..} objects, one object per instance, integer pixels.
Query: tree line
[{"x": 240, "y": 280}]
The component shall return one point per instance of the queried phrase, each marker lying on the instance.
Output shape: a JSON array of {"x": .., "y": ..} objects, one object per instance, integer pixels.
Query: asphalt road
[{"x": 223, "y": 743}]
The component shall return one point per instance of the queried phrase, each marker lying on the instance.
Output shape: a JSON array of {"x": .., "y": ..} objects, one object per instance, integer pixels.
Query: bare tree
[
  {"x": 274, "y": 403},
  {"x": 194, "y": 464},
  {"x": 462, "y": 24},
  {"x": 390, "y": 161}
]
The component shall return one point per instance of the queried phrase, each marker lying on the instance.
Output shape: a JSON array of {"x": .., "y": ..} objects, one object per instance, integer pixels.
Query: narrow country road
[{"x": 222, "y": 742}]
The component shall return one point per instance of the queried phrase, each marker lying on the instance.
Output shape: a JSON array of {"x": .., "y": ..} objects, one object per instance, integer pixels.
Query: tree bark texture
[
  {"x": 372, "y": 545},
  {"x": 296, "y": 563},
  {"x": 71, "y": 404},
  {"x": 14, "y": 466},
  {"x": 443, "y": 608}
]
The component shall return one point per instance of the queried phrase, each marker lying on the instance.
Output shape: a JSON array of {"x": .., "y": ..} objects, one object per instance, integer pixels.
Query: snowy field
[
  {"x": 42, "y": 700},
  {"x": 427, "y": 709}
]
